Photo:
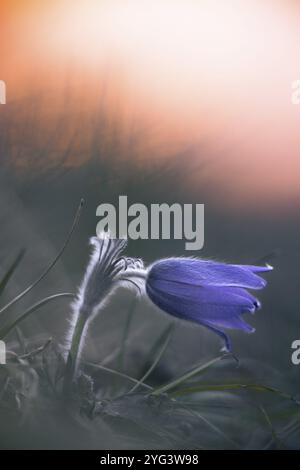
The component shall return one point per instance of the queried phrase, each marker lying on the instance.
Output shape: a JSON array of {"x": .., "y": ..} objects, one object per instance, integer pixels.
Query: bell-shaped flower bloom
[{"x": 207, "y": 292}]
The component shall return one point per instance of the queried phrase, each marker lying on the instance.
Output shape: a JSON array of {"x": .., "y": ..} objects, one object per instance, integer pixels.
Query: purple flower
[{"x": 207, "y": 292}]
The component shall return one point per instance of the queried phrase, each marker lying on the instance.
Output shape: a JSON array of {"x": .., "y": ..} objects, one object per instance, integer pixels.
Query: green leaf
[
  {"x": 117, "y": 374},
  {"x": 276, "y": 439},
  {"x": 188, "y": 375},
  {"x": 233, "y": 386},
  {"x": 164, "y": 339},
  {"x": 4, "y": 281},
  {"x": 121, "y": 356},
  {"x": 10, "y": 326},
  {"x": 50, "y": 266}
]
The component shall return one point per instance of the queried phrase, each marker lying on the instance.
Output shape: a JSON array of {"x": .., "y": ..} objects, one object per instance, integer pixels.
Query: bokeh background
[{"x": 163, "y": 101}]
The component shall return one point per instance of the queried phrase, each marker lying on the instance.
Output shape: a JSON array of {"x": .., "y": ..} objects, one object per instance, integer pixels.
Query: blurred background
[{"x": 163, "y": 101}]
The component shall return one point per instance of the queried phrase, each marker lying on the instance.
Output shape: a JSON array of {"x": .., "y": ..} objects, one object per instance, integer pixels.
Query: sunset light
[{"x": 202, "y": 72}]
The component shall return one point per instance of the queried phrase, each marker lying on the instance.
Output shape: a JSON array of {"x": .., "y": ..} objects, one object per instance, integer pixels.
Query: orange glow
[{"x": 207, "y": 72}]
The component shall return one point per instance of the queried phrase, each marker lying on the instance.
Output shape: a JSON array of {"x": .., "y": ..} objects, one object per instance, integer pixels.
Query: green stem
[{"x": 75, "y": 348}]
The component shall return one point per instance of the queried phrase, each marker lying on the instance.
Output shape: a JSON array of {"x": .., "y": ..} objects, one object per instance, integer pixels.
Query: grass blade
[
  {"x": 188, "y": 375},
  {"x": 217, "y": 430},
  {"x": 51, "y": 265},
  {"x": 4, "y": 281},
  {"x": 275, "y": 437},
  {"x": 117, "y": 374},
  {"x": 8, "y": 328},
  {"x": 165, "y": 339},
  {"x": 121, "y": 355},
  {"x": 232, "y": 386}
]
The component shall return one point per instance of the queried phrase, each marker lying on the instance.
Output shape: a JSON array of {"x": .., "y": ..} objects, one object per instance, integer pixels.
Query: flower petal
[
  {"x": 205, "y": 305},
  {"x": 198, "y": 272}
]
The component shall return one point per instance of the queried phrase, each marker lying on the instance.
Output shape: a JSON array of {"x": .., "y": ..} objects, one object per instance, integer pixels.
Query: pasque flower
[
  {"x": 207, "y": 292},
  {"x": 210, "y": 293}
]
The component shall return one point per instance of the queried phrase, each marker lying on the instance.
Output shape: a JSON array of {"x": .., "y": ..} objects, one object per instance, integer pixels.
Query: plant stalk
[{"x": 73, "y": 358}]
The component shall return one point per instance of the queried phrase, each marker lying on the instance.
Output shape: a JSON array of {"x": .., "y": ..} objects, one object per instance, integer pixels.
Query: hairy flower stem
[
  {"x": 77, "y": 340},
  {"x": 105, "y": 271}
]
